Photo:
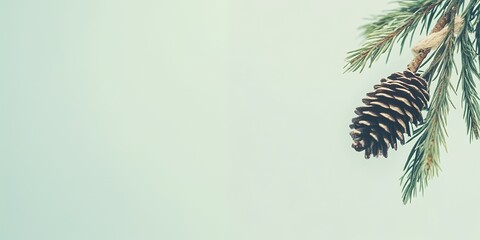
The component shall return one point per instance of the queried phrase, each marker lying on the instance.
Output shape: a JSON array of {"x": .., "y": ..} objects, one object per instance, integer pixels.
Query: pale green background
[{"x": 204, "y": 120}]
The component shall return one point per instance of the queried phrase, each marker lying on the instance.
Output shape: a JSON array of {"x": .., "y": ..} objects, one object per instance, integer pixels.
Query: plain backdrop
[{"x": 192, "y": 120}]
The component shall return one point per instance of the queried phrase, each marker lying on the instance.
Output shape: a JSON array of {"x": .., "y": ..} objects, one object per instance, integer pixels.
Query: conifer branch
[
  {"x": 382, "y": 33},
  {"x": 423, "y": 161},
  {"x": 469, "y": 71}
]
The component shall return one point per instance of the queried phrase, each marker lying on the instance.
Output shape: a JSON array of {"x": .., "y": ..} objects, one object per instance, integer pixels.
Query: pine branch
[
  {"x": 382, "y": 33},
  {"x": 423, "y": 161},
  {"x": 470, "y": 99}
]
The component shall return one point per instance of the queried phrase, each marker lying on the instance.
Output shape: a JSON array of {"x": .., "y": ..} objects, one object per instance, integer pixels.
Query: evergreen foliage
[{"x": 399, "y": 26}]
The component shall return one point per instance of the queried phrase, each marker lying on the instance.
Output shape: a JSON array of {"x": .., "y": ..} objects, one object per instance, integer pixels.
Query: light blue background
[{"x": 205, "y": 120}]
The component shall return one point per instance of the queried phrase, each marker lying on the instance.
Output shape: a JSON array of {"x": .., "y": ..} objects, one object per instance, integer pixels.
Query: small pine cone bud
[{"x": 390, "y": 110}]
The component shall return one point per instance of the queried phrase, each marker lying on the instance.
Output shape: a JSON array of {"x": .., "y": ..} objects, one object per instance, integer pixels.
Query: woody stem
[{"x": 417, "y": 61}]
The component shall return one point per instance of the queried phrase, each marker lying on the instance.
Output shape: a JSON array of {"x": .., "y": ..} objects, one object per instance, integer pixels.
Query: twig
[{"x": 415, "y": 63}]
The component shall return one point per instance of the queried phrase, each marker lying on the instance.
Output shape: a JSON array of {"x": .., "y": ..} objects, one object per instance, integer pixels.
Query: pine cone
[{"x": 390, "y": 110}]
